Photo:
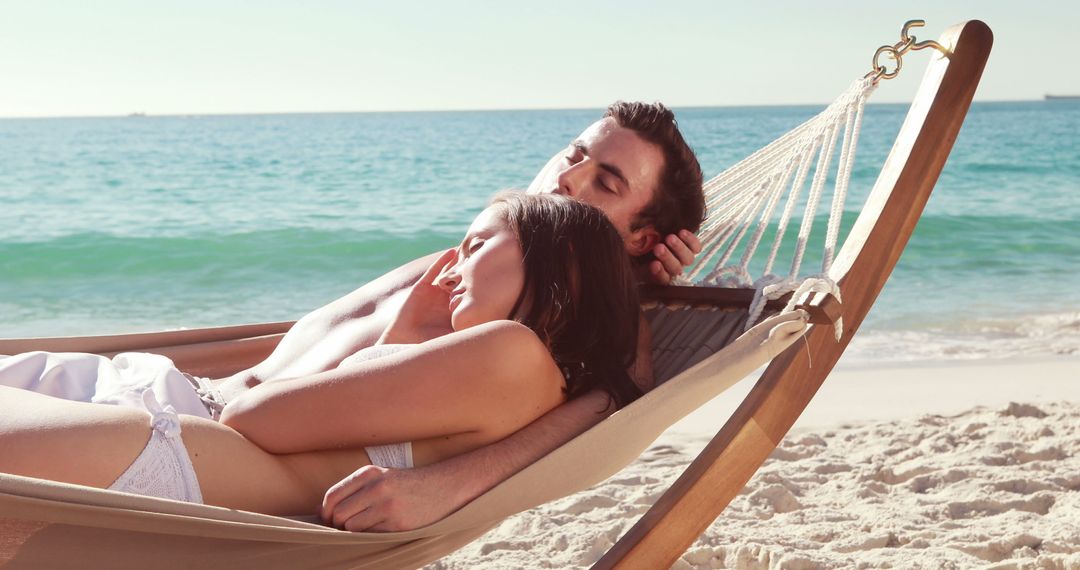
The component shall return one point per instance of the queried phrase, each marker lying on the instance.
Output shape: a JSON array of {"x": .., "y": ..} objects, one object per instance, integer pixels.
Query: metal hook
[
  {"x": 905, "y": 35},
  {"x": 896, "y": 51}
]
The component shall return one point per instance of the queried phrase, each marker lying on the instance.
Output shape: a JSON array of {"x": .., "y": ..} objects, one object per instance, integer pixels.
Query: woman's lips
[{"x": 455, "y": 300}]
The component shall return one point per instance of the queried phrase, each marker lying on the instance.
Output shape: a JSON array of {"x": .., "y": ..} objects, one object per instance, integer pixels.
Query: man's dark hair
[{"x": 678, "y": 203}]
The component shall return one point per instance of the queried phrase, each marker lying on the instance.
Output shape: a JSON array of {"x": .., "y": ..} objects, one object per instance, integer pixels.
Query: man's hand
[
  {"x": 380, "y": 499},
  {"x": 376, "y": 498},
  {"x": 425, "y": 314},
  {"x": 676, "y": 253}
]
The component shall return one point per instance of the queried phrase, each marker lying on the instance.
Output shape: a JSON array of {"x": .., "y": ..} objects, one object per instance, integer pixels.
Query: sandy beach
[{"x": 948, "y": 464}]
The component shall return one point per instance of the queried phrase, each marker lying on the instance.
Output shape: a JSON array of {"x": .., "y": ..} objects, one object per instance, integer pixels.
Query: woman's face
[{"x": 487, "y": 277}]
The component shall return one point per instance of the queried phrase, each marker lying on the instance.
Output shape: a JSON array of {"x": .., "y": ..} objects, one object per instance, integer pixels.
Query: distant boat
[
  {"x": 141, "y": 114},
  {"x": 1063, "y": 97}
]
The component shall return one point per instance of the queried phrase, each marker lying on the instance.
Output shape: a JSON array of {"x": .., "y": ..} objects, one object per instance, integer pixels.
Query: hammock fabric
[
  {"x": 119, "y": 530},
  {"x": 48, "y": 524}
]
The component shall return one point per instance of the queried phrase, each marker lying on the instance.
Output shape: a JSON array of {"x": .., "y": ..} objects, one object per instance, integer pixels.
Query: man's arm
[{"x": 380, "y": 499}]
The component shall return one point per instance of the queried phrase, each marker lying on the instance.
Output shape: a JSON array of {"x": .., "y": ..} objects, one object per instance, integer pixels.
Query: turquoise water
[{"x": 121, "y": 224}]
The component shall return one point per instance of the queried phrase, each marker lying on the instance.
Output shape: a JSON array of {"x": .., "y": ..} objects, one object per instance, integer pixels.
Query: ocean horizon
[
  {"x": 138, "y": 114},
  {"x": 120, "y": 224}
]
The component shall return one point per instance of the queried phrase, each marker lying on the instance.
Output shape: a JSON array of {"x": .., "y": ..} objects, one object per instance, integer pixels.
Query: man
[{"x": 633, "y": 165}]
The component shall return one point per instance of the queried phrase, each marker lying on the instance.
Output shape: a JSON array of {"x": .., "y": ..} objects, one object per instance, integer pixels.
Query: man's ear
[{"x": 641, "y": 241}]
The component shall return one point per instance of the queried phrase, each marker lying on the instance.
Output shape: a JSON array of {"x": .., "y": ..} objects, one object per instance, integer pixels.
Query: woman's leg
[
  {"x": 74, "y": 442},
  {"x": 93, "y": 444}
]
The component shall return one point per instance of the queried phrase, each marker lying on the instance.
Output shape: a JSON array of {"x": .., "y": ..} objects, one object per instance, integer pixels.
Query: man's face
[{"x": 613, "y": 169}]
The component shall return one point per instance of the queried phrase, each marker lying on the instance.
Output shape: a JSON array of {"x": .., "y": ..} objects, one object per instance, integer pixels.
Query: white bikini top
[{"x": 373, "y": 352}]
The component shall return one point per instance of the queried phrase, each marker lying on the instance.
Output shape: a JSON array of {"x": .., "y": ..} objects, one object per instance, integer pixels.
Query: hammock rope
[{"x": 743, "y": 201}]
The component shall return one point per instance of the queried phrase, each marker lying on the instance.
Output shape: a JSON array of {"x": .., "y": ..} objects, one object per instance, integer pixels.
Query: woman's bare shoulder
[
  {"x": 502, "y": 350},
  {"x": 505, "y": 332},
  {"x": 504, "y": 340}
]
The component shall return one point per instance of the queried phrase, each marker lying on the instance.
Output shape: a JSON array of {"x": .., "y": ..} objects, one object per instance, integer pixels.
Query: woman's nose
[{"x": 448, "y": 280}]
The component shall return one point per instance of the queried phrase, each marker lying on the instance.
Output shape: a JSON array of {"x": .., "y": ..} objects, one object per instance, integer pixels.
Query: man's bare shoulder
[{"x": 373, "y": 295}]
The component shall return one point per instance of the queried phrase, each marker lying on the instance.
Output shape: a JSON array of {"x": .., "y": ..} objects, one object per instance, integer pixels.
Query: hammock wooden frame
[{"x": 862, "y": 266}]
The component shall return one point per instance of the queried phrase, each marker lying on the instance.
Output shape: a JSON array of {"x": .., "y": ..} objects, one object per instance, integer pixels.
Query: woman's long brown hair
[{"x": 580, "y": 295}]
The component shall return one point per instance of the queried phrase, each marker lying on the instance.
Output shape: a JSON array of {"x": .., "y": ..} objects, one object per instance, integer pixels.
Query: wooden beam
[
  {"x": 146, "y": 342},
  {"x": 823, "y": 308},
  {"x": 862, "y": 267}
]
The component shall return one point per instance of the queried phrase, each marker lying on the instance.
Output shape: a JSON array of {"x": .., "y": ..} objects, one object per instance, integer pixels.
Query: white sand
[{"x": 913, "y": 466}]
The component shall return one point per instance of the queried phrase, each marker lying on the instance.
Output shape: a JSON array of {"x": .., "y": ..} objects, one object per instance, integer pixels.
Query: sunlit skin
[
  {"x": 477, "y": 384},
  {"x": 613, "y": 169},
  {"x": 617, "y": 171},
  {"x": 375, "y": 498},
  {"x": 487, "y": 276},
  {"x": 608, "y": 166}
]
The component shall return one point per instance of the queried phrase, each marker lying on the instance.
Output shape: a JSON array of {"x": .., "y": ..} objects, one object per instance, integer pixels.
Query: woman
[{"x": 536, "y": 306}]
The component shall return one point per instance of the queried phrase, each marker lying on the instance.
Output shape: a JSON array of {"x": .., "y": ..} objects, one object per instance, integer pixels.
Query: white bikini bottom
[
  {"x": 142, "y": 380},
  {"x": 164, "y": 468}
]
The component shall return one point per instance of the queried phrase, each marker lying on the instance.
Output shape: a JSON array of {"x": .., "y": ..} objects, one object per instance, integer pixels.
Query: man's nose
[{"x": 572, "y": 180}]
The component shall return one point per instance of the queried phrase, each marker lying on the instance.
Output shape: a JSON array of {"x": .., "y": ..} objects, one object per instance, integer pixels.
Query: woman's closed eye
[{"x": 473, "y": 245}]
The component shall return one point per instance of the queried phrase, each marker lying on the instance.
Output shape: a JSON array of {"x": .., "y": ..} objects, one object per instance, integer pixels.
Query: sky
[{"x": 115, "y": 57}]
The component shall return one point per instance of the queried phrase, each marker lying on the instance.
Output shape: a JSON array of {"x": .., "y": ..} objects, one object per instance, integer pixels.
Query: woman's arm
[{"x": 491, "y": 379}]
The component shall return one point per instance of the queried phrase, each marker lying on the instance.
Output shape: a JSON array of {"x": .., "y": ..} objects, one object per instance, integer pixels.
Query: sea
[{"x": 124, "y": 224}]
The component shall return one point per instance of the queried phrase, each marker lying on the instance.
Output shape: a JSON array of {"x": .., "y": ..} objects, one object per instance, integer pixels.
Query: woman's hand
[{"x": 425, "y": 314}]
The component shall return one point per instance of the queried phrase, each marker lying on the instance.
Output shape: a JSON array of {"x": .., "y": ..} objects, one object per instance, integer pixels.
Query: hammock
[{"x": 699, "y": 351}]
